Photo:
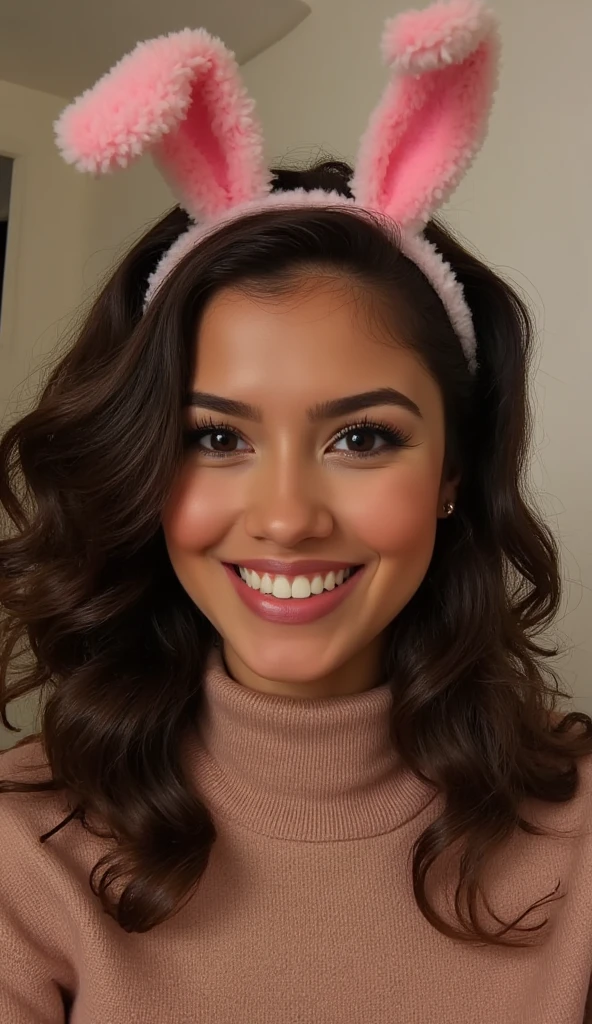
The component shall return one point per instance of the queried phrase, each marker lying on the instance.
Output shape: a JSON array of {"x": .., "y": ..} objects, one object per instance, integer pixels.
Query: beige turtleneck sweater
[{"x": 305, "y": 914}]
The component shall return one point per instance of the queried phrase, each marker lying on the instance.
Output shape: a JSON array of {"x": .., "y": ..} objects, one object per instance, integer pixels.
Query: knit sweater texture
[{"x": 305, "y": 913}]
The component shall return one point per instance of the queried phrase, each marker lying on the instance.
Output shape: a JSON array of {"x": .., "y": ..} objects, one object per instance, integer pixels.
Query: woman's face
[{"x": 314, "y": 461}]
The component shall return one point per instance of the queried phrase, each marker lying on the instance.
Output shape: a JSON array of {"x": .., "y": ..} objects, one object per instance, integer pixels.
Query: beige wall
[
  {"x": 65, "y": 231},
  {"x": 123, "y": 207},
  {"x": 522, "y": 205},
  {"x": 48, "y": 233}
]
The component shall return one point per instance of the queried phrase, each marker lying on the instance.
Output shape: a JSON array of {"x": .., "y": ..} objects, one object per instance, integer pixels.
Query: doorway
[{"x": 5, "y": 185}]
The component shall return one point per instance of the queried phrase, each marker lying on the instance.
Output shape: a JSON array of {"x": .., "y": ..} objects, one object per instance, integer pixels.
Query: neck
[
  {"x": 310, "y": 770},
  {"x": 360, "y": 673}
]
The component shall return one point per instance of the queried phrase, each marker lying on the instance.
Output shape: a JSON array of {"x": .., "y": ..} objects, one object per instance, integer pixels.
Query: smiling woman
[
  {"x": 269, "y": 544},
  {"x": 214, "y": 451},
  {"x": 294, "y": 472}
]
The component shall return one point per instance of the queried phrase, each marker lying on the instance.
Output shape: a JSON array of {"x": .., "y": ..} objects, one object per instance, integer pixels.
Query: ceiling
[{"x": 64, "y": 46}]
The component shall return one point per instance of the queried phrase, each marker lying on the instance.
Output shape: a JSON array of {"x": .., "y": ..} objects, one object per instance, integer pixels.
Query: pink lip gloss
[{"x": 292, "y": 611}]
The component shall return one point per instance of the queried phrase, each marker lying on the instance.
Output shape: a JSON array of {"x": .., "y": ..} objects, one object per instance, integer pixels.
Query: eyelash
[{"x": 393, "y": 436}]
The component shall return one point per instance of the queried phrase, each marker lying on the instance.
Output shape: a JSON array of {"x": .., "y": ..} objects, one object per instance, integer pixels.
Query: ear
[
  {"x": 449, "y": 485},
  {"x": 181, "y": 97},
  {"x": 433, "y": 116}
]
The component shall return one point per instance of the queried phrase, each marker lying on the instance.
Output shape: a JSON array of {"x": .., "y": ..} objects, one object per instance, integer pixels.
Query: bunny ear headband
[{"x": 181, "y": 97}]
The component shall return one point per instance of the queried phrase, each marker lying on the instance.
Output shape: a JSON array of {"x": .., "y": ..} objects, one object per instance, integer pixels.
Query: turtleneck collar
[{"x": 313, "y": 770}]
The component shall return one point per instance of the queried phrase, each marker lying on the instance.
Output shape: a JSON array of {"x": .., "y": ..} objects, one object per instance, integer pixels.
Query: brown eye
[
  {"x": 220, "y": 441},
  {"x": 215, "y": 440},
  {"x": 366, "y": 439},
  {"x": 360, "y": 440}
]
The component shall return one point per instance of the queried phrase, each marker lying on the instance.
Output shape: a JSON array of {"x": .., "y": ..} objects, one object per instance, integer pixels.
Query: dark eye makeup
[
  {"x": 223, "y": 439},
  {"x": 358, "y": 433}
]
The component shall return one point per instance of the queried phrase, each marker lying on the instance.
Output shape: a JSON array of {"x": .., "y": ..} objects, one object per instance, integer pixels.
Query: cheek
[
  {"x": 196, "y": 517},
  {"x": 395, "y": 514}
]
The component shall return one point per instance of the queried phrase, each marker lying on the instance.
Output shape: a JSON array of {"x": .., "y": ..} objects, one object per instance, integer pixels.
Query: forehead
[{"x": 320, "y": 338}]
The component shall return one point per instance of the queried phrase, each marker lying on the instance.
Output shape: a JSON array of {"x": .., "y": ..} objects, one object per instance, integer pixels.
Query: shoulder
[
  {"x": 25, "y": 762},
  {"x": 38, "y": 883},
  {"x": 22, "y": 757},
  {"x": 26, "y": 816},
  {"x": 583, "y": 764},
  {"x": 575, "y": 813},
  {"x": 42, "y": 882},
  {"x": 584, "y": 786}
]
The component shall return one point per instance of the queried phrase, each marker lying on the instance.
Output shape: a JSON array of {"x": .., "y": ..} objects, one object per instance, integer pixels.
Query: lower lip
[{"x": 292, "y": 611}]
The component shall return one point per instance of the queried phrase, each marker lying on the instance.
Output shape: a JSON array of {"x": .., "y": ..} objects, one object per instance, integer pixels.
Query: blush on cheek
[
  {"x": 398, "y": 522},
  {"x": 396, "y": 516},
  {"x": 196, "y": 517}
]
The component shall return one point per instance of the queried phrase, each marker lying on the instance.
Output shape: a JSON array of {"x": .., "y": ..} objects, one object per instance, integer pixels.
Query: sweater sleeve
[
  {"x": 36, "y": 975},
  {"x": 30, "y": 992},
  {"x": 587, "y": 1018}
]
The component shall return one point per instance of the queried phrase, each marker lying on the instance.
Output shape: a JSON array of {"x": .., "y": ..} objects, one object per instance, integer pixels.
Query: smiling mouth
[{"x": 294, "y": 587}]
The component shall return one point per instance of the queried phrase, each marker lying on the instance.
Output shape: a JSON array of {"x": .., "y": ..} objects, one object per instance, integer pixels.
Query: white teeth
[
  {"x": 317, "y": 585},
  {"x": 301, "y": 586},
  {"x": 281, "y": 587}
]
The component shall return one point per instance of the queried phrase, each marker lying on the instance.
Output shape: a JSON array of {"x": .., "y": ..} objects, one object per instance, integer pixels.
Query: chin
[{"x": 292, "y": 660}]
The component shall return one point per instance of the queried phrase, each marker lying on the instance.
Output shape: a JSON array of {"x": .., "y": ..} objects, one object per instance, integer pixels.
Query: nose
[{"x": 285, "y": 504}]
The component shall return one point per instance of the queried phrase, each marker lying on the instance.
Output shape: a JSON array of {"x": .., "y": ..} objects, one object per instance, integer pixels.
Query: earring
[{"x": 448, "y": 508}]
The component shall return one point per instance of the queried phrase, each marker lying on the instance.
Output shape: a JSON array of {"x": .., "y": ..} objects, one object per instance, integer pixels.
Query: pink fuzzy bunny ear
[
  {"x": 433, "y": 116},
  {"x": 181, "y": 97}
]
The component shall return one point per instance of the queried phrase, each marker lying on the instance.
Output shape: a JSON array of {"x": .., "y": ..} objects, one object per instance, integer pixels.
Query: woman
[{"x": 300, "y": 756}]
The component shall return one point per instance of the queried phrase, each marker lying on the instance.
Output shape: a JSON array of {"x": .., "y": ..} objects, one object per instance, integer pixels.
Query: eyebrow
[{"x": 331, "y": 409}]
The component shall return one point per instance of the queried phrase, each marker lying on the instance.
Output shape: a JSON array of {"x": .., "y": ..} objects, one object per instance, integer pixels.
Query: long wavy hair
[{"x": 94, "y": 618}]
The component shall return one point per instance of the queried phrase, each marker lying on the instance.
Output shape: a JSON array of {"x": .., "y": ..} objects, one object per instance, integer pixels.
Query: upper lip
[{"x": 304, "y": 568}]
